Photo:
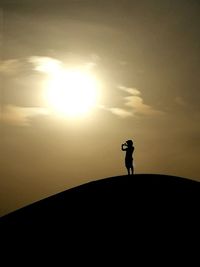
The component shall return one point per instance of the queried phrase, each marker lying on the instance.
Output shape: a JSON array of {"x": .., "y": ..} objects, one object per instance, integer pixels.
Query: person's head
[{"x": 129, "y": 142}]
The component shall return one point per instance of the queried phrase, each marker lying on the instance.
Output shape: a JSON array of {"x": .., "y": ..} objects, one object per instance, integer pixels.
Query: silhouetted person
[{"x": 129, "y": 148}]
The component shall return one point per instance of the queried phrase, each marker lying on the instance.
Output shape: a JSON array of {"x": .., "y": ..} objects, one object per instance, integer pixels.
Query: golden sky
[{"x": 143, "y": 57}]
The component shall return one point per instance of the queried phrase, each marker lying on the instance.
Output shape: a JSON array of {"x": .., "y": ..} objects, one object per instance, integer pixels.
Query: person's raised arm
[{"x": 122, "y": 147}]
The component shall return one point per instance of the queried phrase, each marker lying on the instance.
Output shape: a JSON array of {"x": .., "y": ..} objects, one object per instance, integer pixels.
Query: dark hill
[
  {"x": 139, "y": 199},
  {"x": 139, "y": 219}
]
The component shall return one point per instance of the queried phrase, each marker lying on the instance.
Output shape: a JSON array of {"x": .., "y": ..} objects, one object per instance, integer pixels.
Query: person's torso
[{"x": 129, "y": 152}]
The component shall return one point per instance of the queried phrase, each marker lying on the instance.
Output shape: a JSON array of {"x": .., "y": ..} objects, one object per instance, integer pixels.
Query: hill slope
[{"x": 130, "y": 199}]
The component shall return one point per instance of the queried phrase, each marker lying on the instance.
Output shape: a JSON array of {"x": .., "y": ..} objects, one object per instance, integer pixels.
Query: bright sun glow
[{"x": 72, "y": 93}]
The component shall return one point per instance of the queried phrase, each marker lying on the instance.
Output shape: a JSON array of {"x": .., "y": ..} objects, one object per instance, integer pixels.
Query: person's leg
[
  {"x": 128, "y": 171},
  {"x": 132, "y": 170},
  {"x": 132, "y": 167}
]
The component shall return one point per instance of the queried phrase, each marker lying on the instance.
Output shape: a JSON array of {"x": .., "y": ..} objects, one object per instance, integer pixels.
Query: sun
[{"x": 72, "y": 92}]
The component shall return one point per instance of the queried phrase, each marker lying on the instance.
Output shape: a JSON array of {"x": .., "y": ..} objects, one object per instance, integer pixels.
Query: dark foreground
[
  {"x": 125, "y": 200},
  {"x": 122, "y": 221}
]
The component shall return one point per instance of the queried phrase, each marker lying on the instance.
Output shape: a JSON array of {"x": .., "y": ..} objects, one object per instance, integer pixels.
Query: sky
[{"x": 145, "y": 57}]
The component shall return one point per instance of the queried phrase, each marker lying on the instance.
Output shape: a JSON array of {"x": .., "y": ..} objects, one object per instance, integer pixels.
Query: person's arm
[{"x": 122, "y": 147}]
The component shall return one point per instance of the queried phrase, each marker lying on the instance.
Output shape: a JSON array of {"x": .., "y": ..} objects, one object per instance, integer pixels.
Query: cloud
[
  {"x": 45, "y": 64},
  {"x": 117, "y": 111},
  {"x": 121, "y": 112},
  {"x": 137, "y": 105},
  {"x": 20, "y": 116},
  {"x": 10, "y": 66},
  {"x": 50, "y": 65},
  {"x": 132, "y": 91},
  {"x": 16, "y": 66},
  {"x": 133, "y": 105},
  {"x": 90, "y": 65}
]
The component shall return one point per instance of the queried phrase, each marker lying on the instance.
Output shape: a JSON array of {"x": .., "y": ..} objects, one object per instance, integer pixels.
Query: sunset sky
[{"x": 141, "y": 60}]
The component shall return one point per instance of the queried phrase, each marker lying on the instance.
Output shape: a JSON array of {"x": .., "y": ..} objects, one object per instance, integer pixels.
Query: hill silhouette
[{"x": 142, "y": 199}]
